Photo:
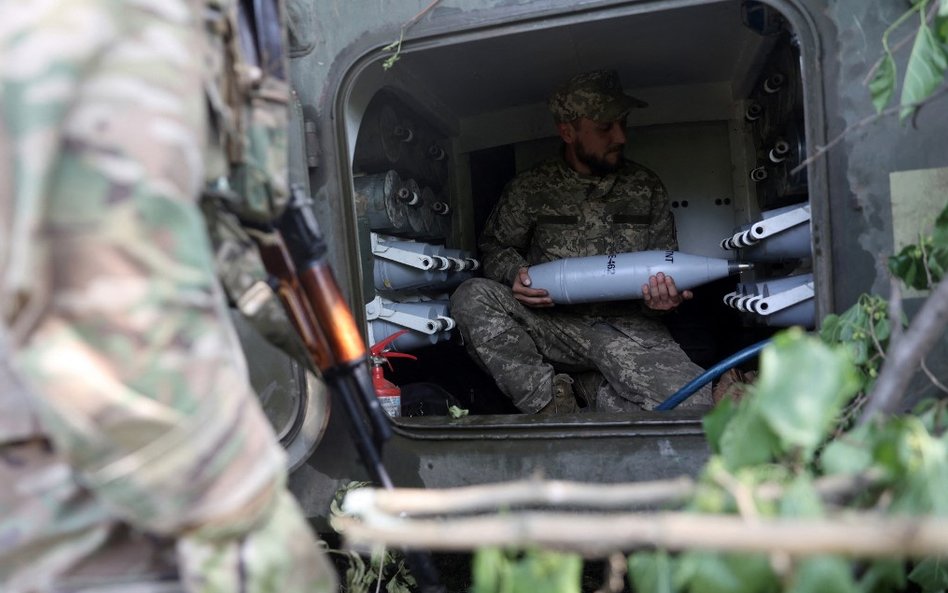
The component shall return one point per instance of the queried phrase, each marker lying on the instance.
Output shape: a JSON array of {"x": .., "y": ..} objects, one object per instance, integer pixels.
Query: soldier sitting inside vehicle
[{"x": 589, "y": 201}]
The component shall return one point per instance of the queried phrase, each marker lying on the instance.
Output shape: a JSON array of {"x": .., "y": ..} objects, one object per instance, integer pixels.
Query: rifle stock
[
  {"x": 277, "y": 260},
  {"x": 315, "y": 295}
]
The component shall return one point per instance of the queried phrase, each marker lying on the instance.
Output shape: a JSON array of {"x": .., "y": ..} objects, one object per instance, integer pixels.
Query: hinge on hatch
[{"x": 312, "y": 143}]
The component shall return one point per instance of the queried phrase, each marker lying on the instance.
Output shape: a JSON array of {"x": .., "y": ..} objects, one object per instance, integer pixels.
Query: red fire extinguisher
[{"x": 389, "y": 394}]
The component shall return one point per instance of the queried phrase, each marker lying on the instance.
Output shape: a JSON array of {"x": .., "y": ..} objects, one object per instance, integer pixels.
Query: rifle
[{"x": 295, "y": 254}]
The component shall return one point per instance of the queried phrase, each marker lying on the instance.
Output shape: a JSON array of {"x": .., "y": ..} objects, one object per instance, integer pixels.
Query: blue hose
[{"x": 711, "y": 374}]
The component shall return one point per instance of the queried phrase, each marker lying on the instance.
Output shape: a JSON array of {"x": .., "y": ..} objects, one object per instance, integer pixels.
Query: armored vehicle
[{"x": 410, "y": 117}]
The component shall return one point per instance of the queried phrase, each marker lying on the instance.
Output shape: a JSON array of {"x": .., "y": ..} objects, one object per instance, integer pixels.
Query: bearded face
[
  {"x": 597, "y": 146},
  {"x": 600, "y": 161}
]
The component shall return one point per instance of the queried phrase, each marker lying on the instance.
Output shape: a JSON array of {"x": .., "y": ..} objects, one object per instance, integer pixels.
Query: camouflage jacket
[
  {"x": 117, "y": 325},
  {"x": 551, "y": 212}
]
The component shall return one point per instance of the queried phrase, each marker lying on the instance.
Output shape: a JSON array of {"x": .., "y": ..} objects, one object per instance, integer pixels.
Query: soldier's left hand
[{"x": 661, "y": 294}]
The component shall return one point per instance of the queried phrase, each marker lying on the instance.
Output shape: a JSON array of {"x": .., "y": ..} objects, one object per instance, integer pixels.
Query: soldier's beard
[{"x": 599, "y": 165}]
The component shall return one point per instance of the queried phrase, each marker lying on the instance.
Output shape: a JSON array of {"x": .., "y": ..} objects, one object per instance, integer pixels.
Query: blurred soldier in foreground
[{"x": 132, "y": 448}]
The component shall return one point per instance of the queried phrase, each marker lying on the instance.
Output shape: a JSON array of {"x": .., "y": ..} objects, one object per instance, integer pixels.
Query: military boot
[{"x": 563, "y": 401}]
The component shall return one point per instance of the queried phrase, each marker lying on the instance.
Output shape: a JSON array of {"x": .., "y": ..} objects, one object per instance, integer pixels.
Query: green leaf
[
  {"x": 940, "y": 232},
  {"x": 729, "y": 573},
  {"x": 829, "y": 329},
  {"x": 485, "y": 570},
  {"x": 907, "y": 265},
  {"x": 858, "y": 351},
  {"x": 883, "y": 329},
  {"x": 498, "y": 571},
  {"x": 923, "y": 488},
  {"x": 546, "y": 571},
  {"x": 747, "y": 439},
  {"x": 882, "y": 85},
  {"x": 933, "y": 415},
  {"x": 456, "y": 412},
  {"x": 823, "y": 574},
  {"x": 931, "y": 574},
  {"x": 924, "y": 72},
  {"x": 395, "y": 586},
  {"x": 650, "y": 572},
  {"x": 943, "y": 8},
  {"x": 853, "y": 320},
  {"x": 850, "y": 453},
  {"x": 802, "y": 387},
  {"x": 800, "y": 499},
  {"x": 938, "y": 264},
  {"x": 715, "y": 422},
  {"x": 883, "y": 576}
]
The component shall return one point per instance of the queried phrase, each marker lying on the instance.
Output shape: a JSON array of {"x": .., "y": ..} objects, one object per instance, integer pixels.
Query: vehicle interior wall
[{"x": 455, "y": 121}]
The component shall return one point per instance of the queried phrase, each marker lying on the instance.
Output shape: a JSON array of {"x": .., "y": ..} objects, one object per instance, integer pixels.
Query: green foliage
[
  {"x": 924, "y": 264},
  {"x": 801, "y": 407},
  {"x": 850, "y": 453},
  {"x": 925, "y": 69},
  {"x": 791, "y": 429},
  {"x": 705, "y": 572},
  {"x": 823, "y": 574},
  {"x": 457, "y": 412},
  {"x": 651, "y": 572},
  {"x": 362, "y": 577},
  {"x": 882, "y": 85},
  {"x": 931, "y": 574},
  {"x": 396, "y": 48},
  {"x": 788, "y": 413},
  {"x": 864, "y": 331},
  {"x": 926, "y": 66},
  {"x": 502, "y": 571},
  {"x": 883, "y": 576},
  {"x": 702, "y": 572},
  {"x": 383, "y": 566}
]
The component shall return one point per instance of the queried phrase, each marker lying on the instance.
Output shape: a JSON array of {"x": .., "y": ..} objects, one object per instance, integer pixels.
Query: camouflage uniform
[
  {"x": 247, "y": 166},
  {"x": 133, "y": 453},
  {"x": 553, "y": 212}
]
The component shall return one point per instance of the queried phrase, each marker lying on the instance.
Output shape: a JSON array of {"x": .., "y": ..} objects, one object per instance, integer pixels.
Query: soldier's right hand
[{"x": 531, "y": 297}]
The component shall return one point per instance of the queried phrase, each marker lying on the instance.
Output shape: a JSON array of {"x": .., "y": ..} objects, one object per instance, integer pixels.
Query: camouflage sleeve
[
  {"x": 662, "y": 234},
  {"x": 139, "y": 376},
  {"x": 507, "y": 234}
]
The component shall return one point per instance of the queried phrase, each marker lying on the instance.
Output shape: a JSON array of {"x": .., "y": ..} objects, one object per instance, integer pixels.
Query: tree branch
[
  {"x": 560, "y": 494},
  {"x": 820, "y": 150},
  {"x": 595, "y": 535},
  {"x": 488, "y": 497},
  {"x": 906, "y": 353}
]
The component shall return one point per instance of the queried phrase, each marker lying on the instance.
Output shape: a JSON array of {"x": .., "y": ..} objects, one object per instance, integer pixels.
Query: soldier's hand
[
  {"x": 531, "y": 297},
  {"x": 661, "y": 294}
]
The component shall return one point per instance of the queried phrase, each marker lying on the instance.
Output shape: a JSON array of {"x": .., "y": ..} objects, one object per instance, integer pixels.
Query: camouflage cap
[{"x": 597, "y": 95}]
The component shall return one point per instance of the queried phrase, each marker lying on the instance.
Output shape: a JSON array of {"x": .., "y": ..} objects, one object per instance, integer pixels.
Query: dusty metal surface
[{"x": 431, "y": 452}]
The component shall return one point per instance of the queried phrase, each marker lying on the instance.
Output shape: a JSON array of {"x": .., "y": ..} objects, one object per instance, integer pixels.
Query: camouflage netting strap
[
  {"x": 249, "y": 102},
  {"x": 246, "y": 281},
  {"x": 248, "y": 156}
]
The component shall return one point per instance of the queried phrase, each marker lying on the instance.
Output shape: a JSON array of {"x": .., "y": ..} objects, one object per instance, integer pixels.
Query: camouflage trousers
[
  {"x": 57, "y": 537},
  {"x": 635, "y": 363}
]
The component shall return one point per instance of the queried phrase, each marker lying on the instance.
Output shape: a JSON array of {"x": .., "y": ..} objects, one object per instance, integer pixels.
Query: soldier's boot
[
  {"x": 586, "y": 388},
  {"x": 563, "y": 402}
]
